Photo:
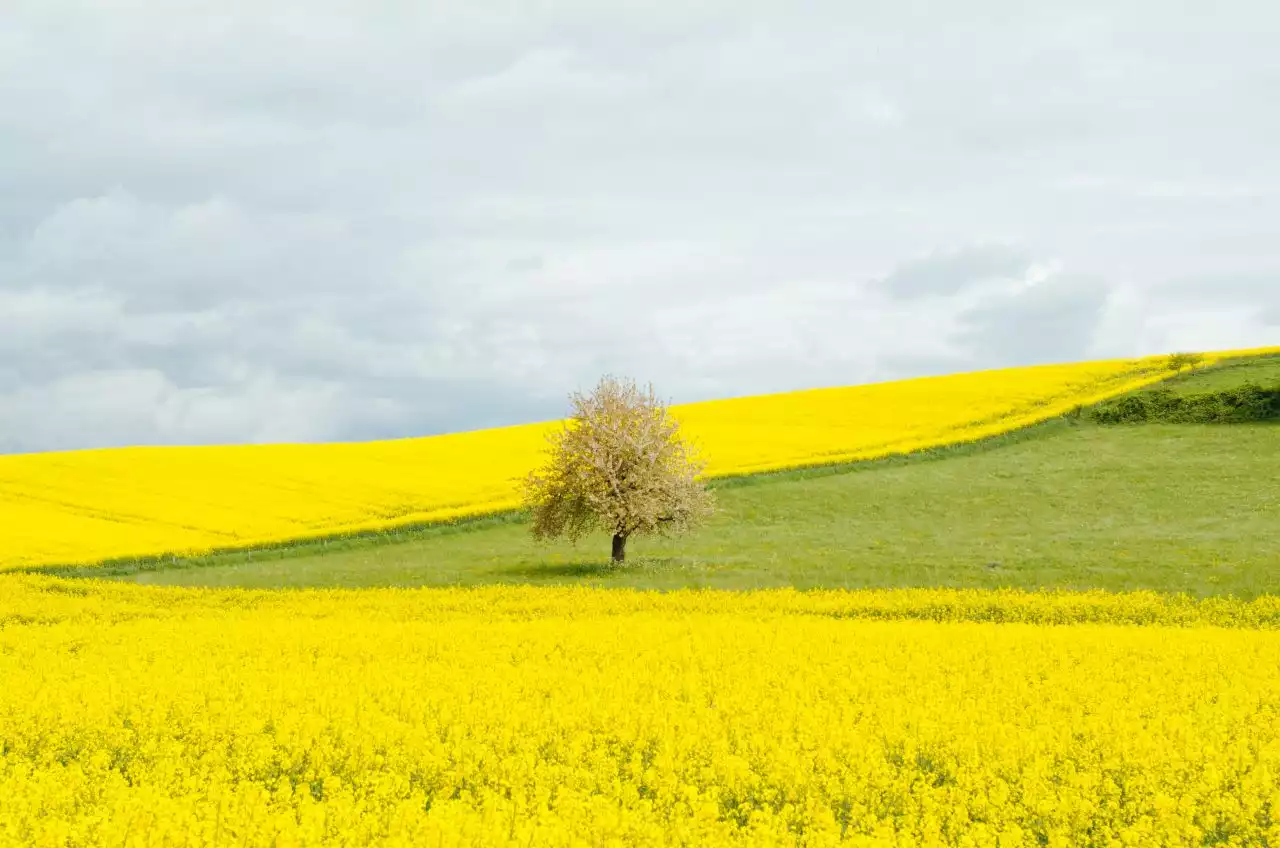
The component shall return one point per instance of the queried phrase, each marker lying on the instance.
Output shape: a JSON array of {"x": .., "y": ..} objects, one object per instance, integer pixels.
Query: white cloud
[{"x": 337, "y": 220}]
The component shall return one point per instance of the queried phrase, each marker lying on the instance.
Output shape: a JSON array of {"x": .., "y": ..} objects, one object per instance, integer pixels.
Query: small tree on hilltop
[
  {"x": 1177, "y": 361},
  {"x": 618, "y": 465}
]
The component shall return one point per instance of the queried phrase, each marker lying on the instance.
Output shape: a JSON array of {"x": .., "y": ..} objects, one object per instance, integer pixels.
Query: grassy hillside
[
  {"x": 1069, "y": 504},
  {"x": 1176, "y": 508},
  {"x": 1263, "y": 370}
]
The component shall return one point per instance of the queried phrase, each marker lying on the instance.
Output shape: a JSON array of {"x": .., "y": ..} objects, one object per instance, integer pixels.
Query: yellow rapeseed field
[
  {"x": 135, "y": 716},
  {"x": 90, "y": 506}
]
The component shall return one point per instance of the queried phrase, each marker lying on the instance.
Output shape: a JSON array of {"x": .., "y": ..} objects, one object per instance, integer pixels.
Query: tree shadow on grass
[
  {"x": 599, "y": 569},
  {"x": 536, "y": 570}
]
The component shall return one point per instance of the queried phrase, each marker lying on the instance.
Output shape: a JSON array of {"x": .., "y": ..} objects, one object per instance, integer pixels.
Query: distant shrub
[{"x": 1249, "y": 402}]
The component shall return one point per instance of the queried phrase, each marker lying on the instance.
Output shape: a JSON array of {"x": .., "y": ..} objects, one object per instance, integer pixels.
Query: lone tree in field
[{"x": 618, "y": 465}]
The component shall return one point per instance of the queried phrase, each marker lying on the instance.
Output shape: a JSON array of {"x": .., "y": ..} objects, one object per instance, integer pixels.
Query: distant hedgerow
[{"x": 1243, "y": 404}]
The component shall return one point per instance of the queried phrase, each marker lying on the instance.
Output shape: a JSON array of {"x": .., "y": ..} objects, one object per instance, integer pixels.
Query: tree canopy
[{"x": 618, "y": 465}]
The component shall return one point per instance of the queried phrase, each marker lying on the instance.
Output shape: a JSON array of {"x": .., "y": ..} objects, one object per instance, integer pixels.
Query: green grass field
[
  {"x": 1264, "y": 370},
  {"x": 1068, "y": 504}
]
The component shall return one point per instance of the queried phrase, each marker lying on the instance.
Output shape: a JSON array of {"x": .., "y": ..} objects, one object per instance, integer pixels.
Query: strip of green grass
[
  {"x": 1175, "y": 508},
  {"x": 233, "y": 568},
  {"x": 344, "y": 542},
  {"x": 1263, "y": 370}
]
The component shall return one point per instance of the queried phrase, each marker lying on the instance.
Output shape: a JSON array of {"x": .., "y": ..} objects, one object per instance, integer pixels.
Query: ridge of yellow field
[{"x": 83, "y": 507}]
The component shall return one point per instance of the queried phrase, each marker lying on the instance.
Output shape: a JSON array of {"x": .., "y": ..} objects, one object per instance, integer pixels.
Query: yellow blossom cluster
[
  {"x": 85, "y": 507},
  {"x": 134, "y": 716}
]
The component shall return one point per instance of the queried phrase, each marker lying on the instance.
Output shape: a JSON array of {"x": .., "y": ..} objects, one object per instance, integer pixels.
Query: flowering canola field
[
  {"x": 516, "y": 716},
  {"x": 89, "y": 506}
]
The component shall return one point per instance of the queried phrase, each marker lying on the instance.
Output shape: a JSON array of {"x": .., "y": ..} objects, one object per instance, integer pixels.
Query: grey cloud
[
  {"x": 1261, "y": 289},
  {"x": 1255, "y": 294},
  {"x": 952, "y": 271},
  {"x": 1052, "y": 320},
  {"x": 117, "y": 243}
]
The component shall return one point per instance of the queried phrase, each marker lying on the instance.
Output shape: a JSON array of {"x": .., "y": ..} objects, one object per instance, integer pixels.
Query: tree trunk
[{"x": 619, "y": 547}]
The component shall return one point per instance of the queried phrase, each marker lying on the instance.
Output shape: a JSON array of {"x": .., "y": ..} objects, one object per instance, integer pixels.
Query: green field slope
[
  {"x": 1263, "y": 370},
  {"x": 1069, "y": 504}
]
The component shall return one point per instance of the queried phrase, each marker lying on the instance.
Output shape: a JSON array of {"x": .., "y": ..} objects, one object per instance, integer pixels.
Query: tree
[
  {"x": 1177, "y": 361},
  {"x": 619, "y": 465}
]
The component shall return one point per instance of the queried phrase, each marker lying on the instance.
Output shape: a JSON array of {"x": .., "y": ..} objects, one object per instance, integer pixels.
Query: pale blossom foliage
[{"x": 619, "y": 464}]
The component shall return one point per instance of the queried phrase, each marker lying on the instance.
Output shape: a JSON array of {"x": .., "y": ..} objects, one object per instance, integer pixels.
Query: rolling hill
[
  {"x": 84, "y": 507},
  {"x": 1067, "y": 504}
]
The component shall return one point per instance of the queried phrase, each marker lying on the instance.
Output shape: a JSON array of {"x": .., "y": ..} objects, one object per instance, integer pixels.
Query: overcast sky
[{"x": 322, "y": 220}]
